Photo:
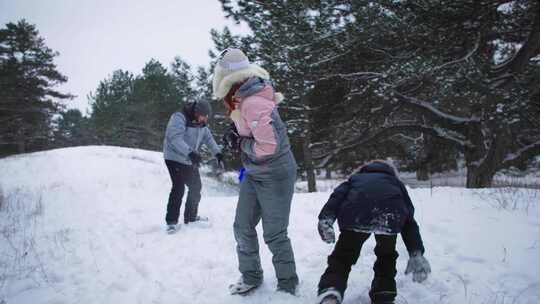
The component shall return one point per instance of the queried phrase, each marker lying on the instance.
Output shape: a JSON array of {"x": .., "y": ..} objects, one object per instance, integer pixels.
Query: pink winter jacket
[{"x": 255, "y": 121}]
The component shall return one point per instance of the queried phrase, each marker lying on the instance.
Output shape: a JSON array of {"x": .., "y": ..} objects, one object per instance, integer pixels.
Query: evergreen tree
[
  {"x": 108, "y": 107},
  {"x": 73, "y": 129},
  {"x": 133, "y": 111},
  {"x": 28, "y": 99},
  {"x": 451, "y": 88},
  {"x": 461, "y": 75}
]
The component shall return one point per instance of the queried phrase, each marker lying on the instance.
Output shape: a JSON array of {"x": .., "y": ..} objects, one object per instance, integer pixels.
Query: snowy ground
[{"x": 85, "y": 225}]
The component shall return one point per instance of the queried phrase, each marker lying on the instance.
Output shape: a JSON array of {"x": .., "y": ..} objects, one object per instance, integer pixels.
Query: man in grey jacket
[{"x": 186, "y": 132}]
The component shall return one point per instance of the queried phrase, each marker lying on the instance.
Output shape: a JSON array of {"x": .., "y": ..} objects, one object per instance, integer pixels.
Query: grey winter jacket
[
  {"x": 282, "y": 160},
  {"x": 182, "y": 138}
]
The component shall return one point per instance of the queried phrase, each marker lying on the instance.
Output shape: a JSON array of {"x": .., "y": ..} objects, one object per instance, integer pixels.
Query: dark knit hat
[
  {"x": 197, "y": 108},
  {"x": 202, "y": 108}
]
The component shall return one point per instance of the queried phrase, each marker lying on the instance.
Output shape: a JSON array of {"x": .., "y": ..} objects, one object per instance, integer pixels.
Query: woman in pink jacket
[{"x": 268, "y": 186}]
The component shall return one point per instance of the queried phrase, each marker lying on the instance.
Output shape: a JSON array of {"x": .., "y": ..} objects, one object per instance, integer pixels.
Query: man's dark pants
[{"x": 183, "y": 175}]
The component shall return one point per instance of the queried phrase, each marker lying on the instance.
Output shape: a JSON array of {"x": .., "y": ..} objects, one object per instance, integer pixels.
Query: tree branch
[
  {"x": 434, "y": 112},
  {"x": 530, "y": 49},
  {"x": 521, "y": 155},
  {"x": 465, "y": 58},
  {"x": 357, "y": 75},
  {"x": 387, "y": 132}
]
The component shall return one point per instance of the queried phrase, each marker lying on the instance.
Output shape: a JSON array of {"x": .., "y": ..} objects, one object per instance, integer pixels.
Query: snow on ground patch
[{"x": 85, "y": 225}]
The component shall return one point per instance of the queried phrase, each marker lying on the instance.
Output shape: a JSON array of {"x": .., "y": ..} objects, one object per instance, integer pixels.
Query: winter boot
[
  {"x": 329, "y": 296},
  {"x": 241, "y": 288},
  {"x": 197, "y": 219},
  {"x": 201, "y": 219},
  {"x": 291, "y": 291},
  {"x": 383, "y": 302},
  {"x": 383, "y": 290},
  {"x": 171, "y": 228}
]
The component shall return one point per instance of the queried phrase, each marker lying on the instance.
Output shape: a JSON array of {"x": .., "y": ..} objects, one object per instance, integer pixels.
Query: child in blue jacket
[{"x": 372, "y": 200}]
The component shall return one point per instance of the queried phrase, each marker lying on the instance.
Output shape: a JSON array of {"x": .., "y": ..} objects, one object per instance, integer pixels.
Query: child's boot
[
  {"x": 329, "y": 296},
  {"x": 383, "y": 290}
]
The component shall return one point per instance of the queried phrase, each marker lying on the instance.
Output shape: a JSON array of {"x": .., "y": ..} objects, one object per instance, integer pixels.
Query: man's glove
[
  {"x": 326, "y": 230},
  {"x": 195, "y": 158},
  {"x": 231, "y": 138},
  {"x": 419, "y": 266},
  {"x": 219, "y": 158}
]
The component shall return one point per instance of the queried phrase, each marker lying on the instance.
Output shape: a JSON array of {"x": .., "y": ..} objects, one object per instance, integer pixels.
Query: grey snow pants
[{"x": 269, "y": 200}]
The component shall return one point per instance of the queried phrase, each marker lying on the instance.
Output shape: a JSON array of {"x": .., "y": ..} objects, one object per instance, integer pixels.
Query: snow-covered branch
[
  {"x": 434, "y": 112},
  {"x": 357, "y": 75},
  {"x": 522, "y": 154},
  {"x": 388, "y": 132},
  {"x": 530, "y": 49},
  {"x": 465, "y": 58},
  {"x": 320, "y": 38},
  {"x": 325, "y": 60}
]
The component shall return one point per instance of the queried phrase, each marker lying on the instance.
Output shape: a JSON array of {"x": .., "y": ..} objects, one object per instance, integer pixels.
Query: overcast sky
[{"x": 97, "y": 37}]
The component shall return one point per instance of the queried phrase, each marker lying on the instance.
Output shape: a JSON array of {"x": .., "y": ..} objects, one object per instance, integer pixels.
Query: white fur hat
[{"x": 234, "y": 67}]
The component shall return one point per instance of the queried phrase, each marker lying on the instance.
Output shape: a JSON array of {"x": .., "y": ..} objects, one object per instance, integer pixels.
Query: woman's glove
[
  {"x": 219, "y": 158},
  {"x": 326, "y": 230},
  {"x": 419, "y": 266}
]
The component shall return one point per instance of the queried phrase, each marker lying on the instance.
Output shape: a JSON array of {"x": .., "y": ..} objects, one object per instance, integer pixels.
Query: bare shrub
[
  {"x": 516, "y": 182},
  {"x": 510, "y": 198},
  {"x": 19, "y": 256}
]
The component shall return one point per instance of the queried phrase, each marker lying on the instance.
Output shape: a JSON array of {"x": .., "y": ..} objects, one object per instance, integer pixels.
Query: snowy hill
[{"x": 85, "y": 225}]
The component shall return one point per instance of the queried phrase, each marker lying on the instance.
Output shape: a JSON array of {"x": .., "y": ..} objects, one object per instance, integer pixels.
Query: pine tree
[
  {"x": 108, "y": 107},
  {"x": 28, "y": 99},
  {"x": 462, "y": 75},
  {"x": 73, "y": 129},
  {"x": 133, "y": 111}
]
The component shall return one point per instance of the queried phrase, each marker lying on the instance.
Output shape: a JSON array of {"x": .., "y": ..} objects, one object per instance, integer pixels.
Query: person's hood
[
  {"x": 234, "y": 67},
  {"x": 260, "y": 87},
  {"x": 378, "y": 167}
]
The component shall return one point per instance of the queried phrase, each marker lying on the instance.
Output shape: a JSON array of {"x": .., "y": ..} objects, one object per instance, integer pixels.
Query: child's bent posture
[{"x": 373, "y": 200}]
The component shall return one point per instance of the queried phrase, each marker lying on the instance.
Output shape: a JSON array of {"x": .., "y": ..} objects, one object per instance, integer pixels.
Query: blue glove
[{"x": 241, "y": 174}]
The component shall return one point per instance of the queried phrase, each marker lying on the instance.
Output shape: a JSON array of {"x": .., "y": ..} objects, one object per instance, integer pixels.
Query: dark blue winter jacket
[{"x": 374, "y": 200}]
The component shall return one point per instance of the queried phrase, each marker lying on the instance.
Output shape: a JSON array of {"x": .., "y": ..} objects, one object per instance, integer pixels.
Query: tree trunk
[
  {"x": 308, "y": 164},
  {"x": 475, "y": 159},
  {"x": 479, "y": 177},
  {"x": 422, "y": 173},
  {"x": 484, "y": 162},
  {"x": 423, "y": 159},
  {"x": 21, "y": 147},
  {"x": 479, "y": 174},
  {"x": 328, "y": 173}
]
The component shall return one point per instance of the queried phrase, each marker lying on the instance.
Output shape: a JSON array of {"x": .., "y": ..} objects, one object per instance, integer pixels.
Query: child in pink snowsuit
[{"x": 268, "y": 185}]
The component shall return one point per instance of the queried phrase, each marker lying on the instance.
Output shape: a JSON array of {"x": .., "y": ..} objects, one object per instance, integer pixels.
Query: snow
[
  {"x": 85, "y": 225},
  {"x": 504, "y": 51},
  {"x": 506, "y": 7}
]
